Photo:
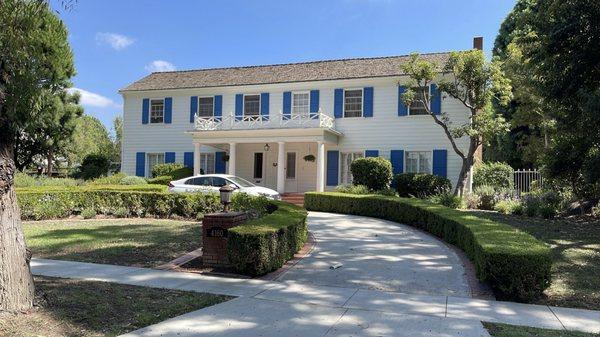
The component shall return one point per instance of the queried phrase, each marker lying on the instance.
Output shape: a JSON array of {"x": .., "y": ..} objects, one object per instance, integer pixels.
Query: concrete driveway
[{"x": 379, "y": 255}]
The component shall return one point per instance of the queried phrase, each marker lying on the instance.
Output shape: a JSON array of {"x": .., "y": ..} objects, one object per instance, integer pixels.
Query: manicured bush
[
  {"x": 509, "y": 206},
  {"x": 160, "y": 180},
  {"x": 515, "y": 264},
  {"x": 132, "y": 180},
  {"x": 490, "y": 195},
  {"x": 353, "y": 189},
  {"x": 121, "y": 212},
  {"x": 115, "y": 179},
  {"x": 421, "y": 185},
  {"x": 145, "y": 188},
  {"x": 262, "y": 245},
  {"x": 447, "y": 199},
  {"x": 493, "y": 174},
  {"x": 25, "y": 180},
  {"x": 373, "y": 172},
  {"x": 88, "y": 213},
  {"x": 254, "y": 206},
  {"x": 93, "y": 166},
  {"x": 174, "y": 170}
]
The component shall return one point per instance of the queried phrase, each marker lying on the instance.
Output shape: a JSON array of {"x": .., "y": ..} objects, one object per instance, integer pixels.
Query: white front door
[{"x": 291, "y": 182}]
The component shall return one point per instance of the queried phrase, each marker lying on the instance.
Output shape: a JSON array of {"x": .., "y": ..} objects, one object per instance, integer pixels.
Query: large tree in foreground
[
  {"x": 36, "y": 60},
  {"x": 471, "y": 80}
]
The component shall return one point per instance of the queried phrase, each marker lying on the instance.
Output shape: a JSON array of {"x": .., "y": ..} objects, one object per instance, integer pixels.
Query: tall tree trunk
[
  {"x": 50, "y": 159},
  {"x": 467, "y": 163},
  {"x": 16, "y": 282}
]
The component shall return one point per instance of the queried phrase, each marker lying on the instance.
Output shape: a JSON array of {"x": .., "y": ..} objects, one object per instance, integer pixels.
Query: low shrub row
[
  {"x": 515, "y": 264},
  {"x": 420, "y": 185},
  {"x": 262, "y": 245}
]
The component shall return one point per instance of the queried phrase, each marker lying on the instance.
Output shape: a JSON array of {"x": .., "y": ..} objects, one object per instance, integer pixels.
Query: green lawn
[
  {"x": 575, "y": 253},
  {"x": 505, "y": 330},
  {"x": 91, "y": 309},
  {"x": 128, "y": 242}
]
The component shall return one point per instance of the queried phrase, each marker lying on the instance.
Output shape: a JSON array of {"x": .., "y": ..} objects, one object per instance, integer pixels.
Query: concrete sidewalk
[{"x": 269, "y": 308}]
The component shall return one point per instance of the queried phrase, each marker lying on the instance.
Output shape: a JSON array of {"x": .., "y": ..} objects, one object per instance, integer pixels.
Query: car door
[
  {"x": 218, "y": 182},
  {"x": 198, "y": 184}
]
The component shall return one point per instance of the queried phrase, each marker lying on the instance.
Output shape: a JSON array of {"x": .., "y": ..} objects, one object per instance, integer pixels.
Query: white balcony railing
[{"x": 276, "y": 121}]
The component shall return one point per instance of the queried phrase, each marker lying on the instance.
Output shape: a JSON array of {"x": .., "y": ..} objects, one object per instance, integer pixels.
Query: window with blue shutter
[
  {"x": 145, "y": 110},
  {"x": 188, "y": 159},
  {"x": 436, "y": 100},
  {"x": 440, "y": 163},
  {"x": 140, "y": 164},
  {"x": 239, "y": 107},
  {"x": 397, "y": 160},
  {"x": 368, "y": 102},
  {"x": 169, "y": 157},
  {"x": 402, "y": 108},
  {"x": 338, "y": 103},
  {"x": 168, "y": 110},
  {"x": 218, "y": 106},
  {"x": 333, "y": 164},
  {"x": 371, "y": 153},
  {"x": 219, "y": 162},
  {"x": 193, "y": 107},
  {"x": 314, "y": 101},
  {"x": 287, "y": 105},
  {"x": 264, "y": 106}
]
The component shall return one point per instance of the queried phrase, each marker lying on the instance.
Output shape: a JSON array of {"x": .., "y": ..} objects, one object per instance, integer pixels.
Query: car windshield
[{"x": 240, "y": 182}]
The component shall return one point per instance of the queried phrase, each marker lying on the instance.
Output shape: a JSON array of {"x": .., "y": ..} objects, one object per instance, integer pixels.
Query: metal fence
[{"x": 524, "y": 178}]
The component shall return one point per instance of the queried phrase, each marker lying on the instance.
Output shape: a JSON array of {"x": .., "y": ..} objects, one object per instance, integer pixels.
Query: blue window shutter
[
  {"x": 218, "y": 105},
  {"x": 140, "y": 164},
  {"x": 333, "y": 162},
  {"x": 219, "y": 163},
  {"x": 436, "y": 100},
  {"x": 368, "y": 102},
  {"x": 402, "y": 109},
  {"x": 188, "y": 159},
  {"x": 397, "y": 159},
  {"x": 371, "y": 153},
  {"x": 239, "y": 107},
  {"x": 264, "y": 105},
  {"x": 287, "y": 104},
  {"x": 169, "y": 157},
  {"x": 145, "y": 110},
  {"x": 338, "y": 103},
  {"x": 314, "y": 101},
  {"x": 193, "y": 107},
  {"x": 440, "y": 163},
  {"x": 168, "y": 109}
]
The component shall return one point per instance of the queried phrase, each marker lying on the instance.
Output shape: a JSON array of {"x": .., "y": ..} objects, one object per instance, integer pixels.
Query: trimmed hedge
[
  {"x": 421, "y": 185},
  {"x": 262, "y": 245},
  {"x": 514, "y": 263}
]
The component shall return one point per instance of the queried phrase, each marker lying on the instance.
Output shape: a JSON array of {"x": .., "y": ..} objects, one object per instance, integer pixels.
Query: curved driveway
[{"x": 379, "y": 255}]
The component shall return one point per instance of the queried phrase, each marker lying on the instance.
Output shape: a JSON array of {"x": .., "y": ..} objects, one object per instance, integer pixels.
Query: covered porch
[{"x": 279, "y": 159}]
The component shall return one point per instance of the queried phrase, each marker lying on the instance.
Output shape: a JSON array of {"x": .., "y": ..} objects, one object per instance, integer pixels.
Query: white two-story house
[{"x": 290, "y": 127}]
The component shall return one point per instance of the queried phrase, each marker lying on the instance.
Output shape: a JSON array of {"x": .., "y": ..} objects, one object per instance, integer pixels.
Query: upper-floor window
[
  {"x": 300, "y": 103},
  {"x": 416, "y": 107},
  {"x": 353, "y": 103},
  {"x": 157, "y": 111},
  {"x": 206, "y": 106},
  {"x": 418, "y": 161},
  {"x": 252, "y": 105}
]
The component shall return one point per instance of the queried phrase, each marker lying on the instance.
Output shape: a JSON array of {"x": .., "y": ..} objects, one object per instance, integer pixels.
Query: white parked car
[{"x": 212, "y": 183}]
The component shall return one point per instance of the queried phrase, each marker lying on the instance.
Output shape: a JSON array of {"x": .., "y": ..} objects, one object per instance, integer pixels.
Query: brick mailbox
[{"x": 215, "y": 228}]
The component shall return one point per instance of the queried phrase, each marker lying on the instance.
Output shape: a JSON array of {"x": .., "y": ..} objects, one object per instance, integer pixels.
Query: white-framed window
[
  {"x": 416, "y": 107},
  {"x": 290, "y": 165},
  {"x": 417, "y": 161},
  {"x": 347, "y": 159},
  {"x": 300, "y": 103},
  {"x": 207, "y": 163},
  {"x": 157, "y": 111},
  {"x": 206, "y": 106},
  {"x": 353, "y": 103},
  {"x": 153, "y": 160},
  {"x": 252, "y": 105}
]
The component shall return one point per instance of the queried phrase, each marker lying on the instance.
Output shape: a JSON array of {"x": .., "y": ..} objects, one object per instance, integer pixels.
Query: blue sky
[{"x": 118, "y": 42}]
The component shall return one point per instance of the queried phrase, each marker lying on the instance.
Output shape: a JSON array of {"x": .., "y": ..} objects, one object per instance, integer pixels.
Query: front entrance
[
  {"x": 291, "y": 183},
  {"x": 258, "y": 168}
]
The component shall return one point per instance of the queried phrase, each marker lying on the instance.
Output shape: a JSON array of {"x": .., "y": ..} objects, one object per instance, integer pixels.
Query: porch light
[
  {"x": 226, "y": 191},
  {"x": 267, "y": 147}
]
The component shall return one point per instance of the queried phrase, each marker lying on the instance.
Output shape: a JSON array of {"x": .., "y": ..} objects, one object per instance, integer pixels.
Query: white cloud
[
  {"x": 94, "y": 100},
  {"x": 116, "y": 41},
  {"x": 160, "y": 65}
]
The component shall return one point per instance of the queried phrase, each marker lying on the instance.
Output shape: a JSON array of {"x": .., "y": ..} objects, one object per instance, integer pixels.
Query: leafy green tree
[
  {"x": 90, "y": 136},
  {"x": 471, "y": 80},
  {"x": 117, "y": 138},
  {"x": 36, "y": 61}
]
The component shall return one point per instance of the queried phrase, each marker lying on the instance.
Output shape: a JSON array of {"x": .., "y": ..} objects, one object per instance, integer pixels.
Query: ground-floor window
[
  {"x": 290, "y": 165},
  {"x": 347, "y": 159},
  {"x": 418, "y": 161},
  {"x": 154, "y": 159},
  {"x": 207, "y": 163}
]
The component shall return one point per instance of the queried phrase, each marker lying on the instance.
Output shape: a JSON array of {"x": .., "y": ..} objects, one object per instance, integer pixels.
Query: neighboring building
[{"x": 266, "y": 119}]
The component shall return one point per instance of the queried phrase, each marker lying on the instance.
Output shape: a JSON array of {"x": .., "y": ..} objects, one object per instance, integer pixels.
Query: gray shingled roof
[{"x": 279, "y": 73}]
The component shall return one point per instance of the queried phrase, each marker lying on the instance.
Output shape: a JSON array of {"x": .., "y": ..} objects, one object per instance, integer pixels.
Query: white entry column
[
  {"x": 232, "y": 159},
  {"x": 320, "y": 166},
  {"x": 281, "y": 167},
  {"x": 196, "y": 158}
]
